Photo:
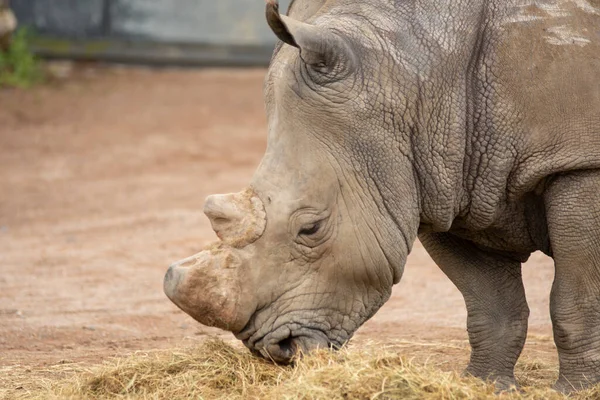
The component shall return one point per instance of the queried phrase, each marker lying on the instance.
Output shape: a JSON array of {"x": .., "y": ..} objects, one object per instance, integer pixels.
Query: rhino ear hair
[{"x": 317, "y": 45}]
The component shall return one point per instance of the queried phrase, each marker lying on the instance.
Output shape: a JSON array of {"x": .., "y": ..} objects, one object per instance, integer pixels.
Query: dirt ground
[{"x": 102, "y": 182}]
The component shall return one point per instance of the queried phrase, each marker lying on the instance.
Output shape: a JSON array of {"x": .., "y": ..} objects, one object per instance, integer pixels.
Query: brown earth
[{"x": 102, "y": 182}]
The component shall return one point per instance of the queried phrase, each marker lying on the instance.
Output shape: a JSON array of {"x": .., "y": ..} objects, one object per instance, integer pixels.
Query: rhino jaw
[{"x": 207, "y": 287}]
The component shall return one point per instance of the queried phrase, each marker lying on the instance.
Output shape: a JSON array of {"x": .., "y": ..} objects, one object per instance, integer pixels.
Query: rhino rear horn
[
  {"x": 317, "y": 45},
  {"x": 238, "y": 219}
]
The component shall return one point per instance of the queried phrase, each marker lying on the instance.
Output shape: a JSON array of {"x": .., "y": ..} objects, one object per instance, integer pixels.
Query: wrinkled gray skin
[{"x": 474, "y": 125}]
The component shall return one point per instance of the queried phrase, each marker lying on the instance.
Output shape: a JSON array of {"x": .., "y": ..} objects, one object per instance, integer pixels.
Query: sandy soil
[{"x": 102, "y": 181}]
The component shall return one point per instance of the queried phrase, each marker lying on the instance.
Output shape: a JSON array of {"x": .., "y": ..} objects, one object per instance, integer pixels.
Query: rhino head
[{"x": 311, "y": 249}]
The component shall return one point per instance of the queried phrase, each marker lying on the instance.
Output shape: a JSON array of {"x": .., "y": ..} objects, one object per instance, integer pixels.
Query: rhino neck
[{"x": 436, "y": 91}]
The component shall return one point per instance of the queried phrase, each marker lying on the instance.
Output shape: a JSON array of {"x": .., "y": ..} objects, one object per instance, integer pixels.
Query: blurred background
[
  {"x": 117, "y": 119},
  {"x": 198, "y": 32}
]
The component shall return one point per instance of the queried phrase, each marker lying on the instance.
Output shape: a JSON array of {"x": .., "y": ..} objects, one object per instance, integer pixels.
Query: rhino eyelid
[{"x": 310, "y": 230}]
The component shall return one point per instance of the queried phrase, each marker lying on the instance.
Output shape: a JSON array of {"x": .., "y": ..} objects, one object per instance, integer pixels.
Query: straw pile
[{"x": 218, "y": 370}]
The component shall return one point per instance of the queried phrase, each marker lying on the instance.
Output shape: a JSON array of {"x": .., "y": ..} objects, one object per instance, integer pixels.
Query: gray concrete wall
[{"x": 175, "y": 28}]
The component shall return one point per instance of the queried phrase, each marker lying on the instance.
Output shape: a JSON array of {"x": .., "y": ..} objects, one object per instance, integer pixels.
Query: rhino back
[
  {"x": 549, "y": 63},
  {"x": 533, "y": 101}
]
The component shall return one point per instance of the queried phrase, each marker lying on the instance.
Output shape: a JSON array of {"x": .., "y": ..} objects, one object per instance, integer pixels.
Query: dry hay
[{"x": 218, "y": 370}]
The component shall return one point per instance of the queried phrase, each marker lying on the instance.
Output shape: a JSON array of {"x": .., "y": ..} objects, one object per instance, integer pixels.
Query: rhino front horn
[
  {"x": 207, "y": 286},
  {"x": 238, "y": 219}
]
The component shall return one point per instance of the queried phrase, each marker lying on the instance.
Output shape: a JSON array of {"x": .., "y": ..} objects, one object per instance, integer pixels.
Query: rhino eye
[
  {"x": 321, "y": 66},
  {"x": 310, "y": 229},
  {"x": 322, "y": 72}
]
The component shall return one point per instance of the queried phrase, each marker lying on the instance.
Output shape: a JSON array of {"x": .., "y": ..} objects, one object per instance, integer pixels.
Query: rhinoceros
[{"x": 472, "y": 125}]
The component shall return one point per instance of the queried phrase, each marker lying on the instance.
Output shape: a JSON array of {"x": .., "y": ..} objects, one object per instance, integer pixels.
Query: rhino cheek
[{"x": 207, "y": 287}]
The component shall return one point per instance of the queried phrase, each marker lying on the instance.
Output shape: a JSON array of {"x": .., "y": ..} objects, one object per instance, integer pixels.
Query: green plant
[{"x": 18, "y": 65}]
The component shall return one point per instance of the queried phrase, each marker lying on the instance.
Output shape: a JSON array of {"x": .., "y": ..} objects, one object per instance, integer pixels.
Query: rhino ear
[{"x": 317, "y": 46}]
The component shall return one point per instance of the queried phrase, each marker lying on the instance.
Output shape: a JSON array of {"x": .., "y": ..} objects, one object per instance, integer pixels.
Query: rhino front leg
[
  {"x": 573, "y": 213},
  {"x": 497, "y": 310}
]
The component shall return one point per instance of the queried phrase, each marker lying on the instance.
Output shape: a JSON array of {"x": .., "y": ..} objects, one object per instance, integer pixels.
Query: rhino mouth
[{"x": 289, "y": 342}]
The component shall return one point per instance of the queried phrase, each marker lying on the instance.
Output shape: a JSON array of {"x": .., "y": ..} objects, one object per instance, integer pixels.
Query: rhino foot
[
  {"x": 567, "y": 386},
  {"x": 502, "y": 382}
]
